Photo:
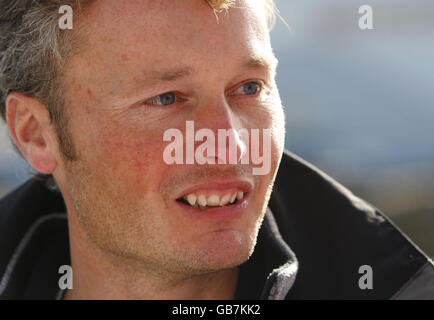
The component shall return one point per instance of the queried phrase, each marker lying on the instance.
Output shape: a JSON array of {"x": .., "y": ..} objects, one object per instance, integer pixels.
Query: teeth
[
  {"x": 240, "y": 195},
  {"x": 201, "y": 200},
  {"x": 225, "y": 200},
  {"x": 191, "y": 198},
  {"x": 213, "y": 200},
  {"x": 233, "y": 197}
]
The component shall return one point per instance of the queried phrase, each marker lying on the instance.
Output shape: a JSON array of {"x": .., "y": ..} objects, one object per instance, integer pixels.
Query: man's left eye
[{"x": 249, "y": 88}]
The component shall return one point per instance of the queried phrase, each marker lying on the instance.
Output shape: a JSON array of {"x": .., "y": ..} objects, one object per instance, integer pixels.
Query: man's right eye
[{"x": 164, "y": 99}]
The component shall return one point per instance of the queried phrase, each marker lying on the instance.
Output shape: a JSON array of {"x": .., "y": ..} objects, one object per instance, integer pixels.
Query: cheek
[
  {"x": 276, "y": 122},
  {"x": 269, "y": 115},
  {"x": 273, "y": 118},
  {"x": 131, "y": 158}
]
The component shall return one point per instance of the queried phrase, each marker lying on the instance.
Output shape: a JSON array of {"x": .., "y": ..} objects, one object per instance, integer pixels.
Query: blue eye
[
  {"x": 249, "y": 88},
  {"x": 164, "y": 99}
]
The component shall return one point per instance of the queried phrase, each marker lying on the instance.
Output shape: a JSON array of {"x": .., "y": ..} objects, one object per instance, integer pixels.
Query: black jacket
[{"x": 315, "y": 237}]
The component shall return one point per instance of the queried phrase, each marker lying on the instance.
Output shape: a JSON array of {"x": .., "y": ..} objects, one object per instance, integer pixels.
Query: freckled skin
[{"x": 114, "y": 191}]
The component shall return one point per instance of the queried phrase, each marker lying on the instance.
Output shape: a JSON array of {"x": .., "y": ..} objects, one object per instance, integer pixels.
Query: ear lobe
[{"x": 29, "y": 126}]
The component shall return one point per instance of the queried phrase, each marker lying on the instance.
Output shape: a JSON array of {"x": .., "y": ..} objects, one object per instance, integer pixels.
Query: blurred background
[{"x": 359, "y": 103}]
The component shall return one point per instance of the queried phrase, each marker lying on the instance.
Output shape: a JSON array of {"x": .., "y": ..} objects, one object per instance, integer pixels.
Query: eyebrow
[
  {"x": 251, "y": 63},
  {"x": 261, "y": 62},
  {"x": 172, "y": 75},
  {"x": 152, "y": 77}
]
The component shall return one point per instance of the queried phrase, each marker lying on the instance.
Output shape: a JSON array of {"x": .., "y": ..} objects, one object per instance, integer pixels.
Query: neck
[{"x": 99, "y": 275}]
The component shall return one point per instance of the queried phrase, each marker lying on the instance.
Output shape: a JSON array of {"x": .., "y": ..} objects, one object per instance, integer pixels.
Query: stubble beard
[{"x": 97, "y": 218}]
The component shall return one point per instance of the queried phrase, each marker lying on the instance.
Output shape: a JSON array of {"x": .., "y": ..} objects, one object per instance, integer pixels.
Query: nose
[{"x": 226, "y": 125}]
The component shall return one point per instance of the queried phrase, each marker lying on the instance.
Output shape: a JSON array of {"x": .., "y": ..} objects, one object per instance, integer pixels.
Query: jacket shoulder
[
  {"x": 33, "y": 241},
  {"x": 335, "y": 233}
]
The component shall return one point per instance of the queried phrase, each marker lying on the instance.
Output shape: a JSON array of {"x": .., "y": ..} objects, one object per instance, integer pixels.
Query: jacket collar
[
  {"x": 271, "y": 270},
  {"x": 281, "y": 279}
]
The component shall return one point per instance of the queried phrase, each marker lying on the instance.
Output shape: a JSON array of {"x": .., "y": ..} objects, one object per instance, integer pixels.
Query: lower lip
[{"x": 215, "y": 213}]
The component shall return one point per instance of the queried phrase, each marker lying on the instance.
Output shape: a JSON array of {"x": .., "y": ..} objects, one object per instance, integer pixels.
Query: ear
[{"x": 30, "y": 128}]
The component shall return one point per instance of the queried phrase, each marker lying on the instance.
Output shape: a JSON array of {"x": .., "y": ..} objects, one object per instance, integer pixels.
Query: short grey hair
[{"x": 33, "y": 50}]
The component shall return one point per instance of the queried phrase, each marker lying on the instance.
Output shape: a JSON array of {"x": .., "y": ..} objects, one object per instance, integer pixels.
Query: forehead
[
  {"x": 153, "y": 17},
  {"x": 158, "y": 31}
]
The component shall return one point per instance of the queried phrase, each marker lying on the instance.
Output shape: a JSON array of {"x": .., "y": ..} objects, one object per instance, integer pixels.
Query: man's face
[{"x": 124, "y": 193}]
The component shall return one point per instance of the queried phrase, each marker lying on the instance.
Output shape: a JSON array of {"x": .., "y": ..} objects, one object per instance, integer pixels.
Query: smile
[
  {"x": 216, "y": 199},
  {"x": 212, "y": 198}
]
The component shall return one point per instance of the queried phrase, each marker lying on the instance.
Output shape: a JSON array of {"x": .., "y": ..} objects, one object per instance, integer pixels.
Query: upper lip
[{"x": 244, "y": 185}]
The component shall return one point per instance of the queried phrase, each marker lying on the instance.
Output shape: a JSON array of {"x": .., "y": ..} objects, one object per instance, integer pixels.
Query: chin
[{"x": 225, "y": 249}]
